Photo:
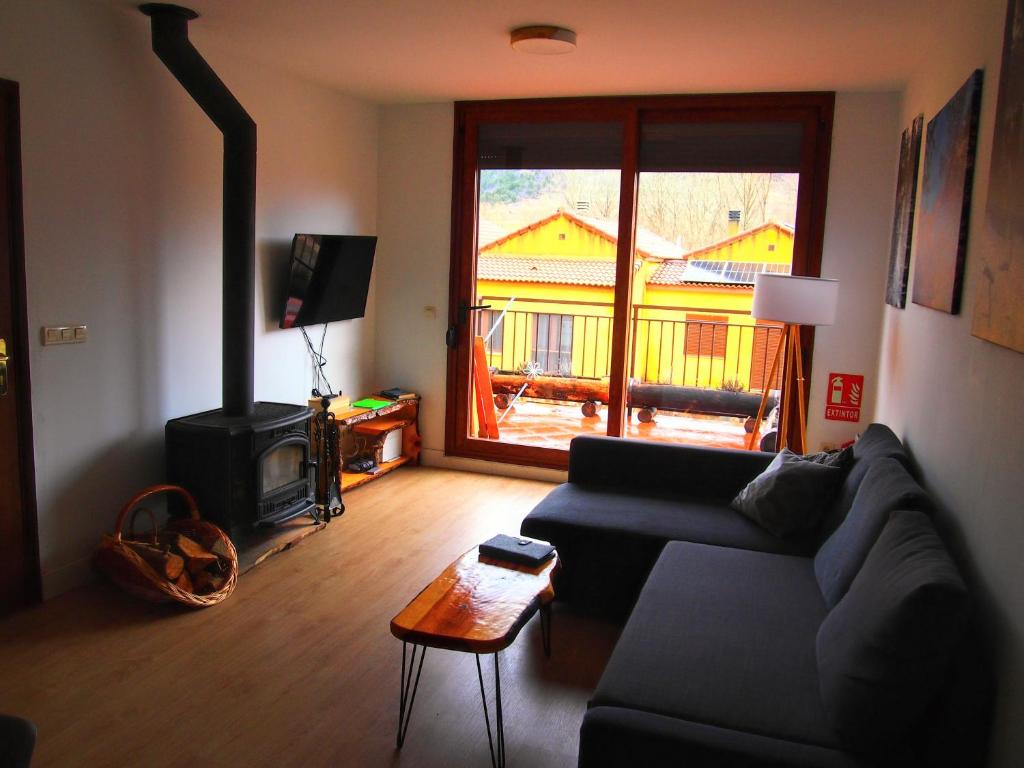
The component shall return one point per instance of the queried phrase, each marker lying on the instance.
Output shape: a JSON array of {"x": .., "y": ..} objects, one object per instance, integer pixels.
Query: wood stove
[
  {"x": 244, "y": 470},
  {"x": 247, "y": 463}
]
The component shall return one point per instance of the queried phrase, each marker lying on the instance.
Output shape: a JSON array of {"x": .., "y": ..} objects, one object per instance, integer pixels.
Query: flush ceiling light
[{"x": 543, "y": 39}]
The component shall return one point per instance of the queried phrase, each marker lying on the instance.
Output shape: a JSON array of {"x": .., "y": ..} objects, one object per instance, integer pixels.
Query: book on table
[
  {"x": 397, "y": 393},
  {"x": 371, "y": 403},
  {"x": 515, "y": 549}
]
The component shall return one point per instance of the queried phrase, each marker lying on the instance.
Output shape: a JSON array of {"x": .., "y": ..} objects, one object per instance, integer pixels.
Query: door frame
[
  {"x": 11, "y": 208},
  {"x": 814, "y": 109}
]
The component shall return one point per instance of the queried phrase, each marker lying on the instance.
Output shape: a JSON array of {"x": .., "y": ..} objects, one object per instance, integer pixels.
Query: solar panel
[{"x": 740, "y": 272}]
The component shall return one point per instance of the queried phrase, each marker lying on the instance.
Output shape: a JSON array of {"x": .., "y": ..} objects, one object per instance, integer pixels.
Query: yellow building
[{"x": 692, "y": 325}]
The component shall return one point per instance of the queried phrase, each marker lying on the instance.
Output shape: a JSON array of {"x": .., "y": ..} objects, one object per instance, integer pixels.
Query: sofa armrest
[
  {"x": 687, "y": 470},
  {"x": 616, "y": 736}
]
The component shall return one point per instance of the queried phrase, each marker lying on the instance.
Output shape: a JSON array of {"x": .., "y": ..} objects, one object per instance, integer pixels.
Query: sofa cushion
[
  {"x": 572, "y": 509},
  {"x": 876, "y": 442},
  {"x": 788, "y": 498},
  {"x": 724, "y": 637},
  {"x": 887, "y": 486},
  {"x": 883, "y": 651}
]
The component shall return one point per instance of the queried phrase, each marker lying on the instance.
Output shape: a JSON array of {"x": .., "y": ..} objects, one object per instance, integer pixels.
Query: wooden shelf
[
  {"x": 354, "y": 416},
  {"x": 381, "y": 426},
  {"x": 351, "y": 480},
  {"x": 372, "y": 427}
]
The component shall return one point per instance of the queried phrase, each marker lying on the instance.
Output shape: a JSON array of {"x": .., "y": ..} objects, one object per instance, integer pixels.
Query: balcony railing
[{"x": 573, "y": 339}]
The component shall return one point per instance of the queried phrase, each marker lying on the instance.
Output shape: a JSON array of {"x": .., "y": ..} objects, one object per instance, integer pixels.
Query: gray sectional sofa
[{"x": 849, "y": 646}]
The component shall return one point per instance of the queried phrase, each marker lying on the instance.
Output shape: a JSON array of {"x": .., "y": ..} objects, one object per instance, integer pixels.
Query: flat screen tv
[{"x": 329, "y": 277}]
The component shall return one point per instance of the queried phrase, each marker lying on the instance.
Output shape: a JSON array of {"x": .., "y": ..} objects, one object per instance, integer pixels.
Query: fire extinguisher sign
[{"x": 842, "y": 402}]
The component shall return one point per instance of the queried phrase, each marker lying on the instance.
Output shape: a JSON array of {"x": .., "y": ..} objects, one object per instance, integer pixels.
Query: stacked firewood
[{"x": 197, "y": 567}]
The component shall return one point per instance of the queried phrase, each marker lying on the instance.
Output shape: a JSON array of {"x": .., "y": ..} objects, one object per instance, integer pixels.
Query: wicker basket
[{"x": 135, "y": 576}]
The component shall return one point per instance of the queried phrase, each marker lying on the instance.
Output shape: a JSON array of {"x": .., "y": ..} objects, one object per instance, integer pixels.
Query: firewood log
[
  {"x": 216, "y": 544},
  {"x": 206, "y": 582},
  {"x": 220, "y": 549},
  {"x": 184, "y": 582},
  {"x": 167, "y": 564},
  {"x": 196, "y": 556}
]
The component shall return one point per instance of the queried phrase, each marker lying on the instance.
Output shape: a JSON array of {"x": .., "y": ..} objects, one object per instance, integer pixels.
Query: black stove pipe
[{"x": 172, "y": 46}]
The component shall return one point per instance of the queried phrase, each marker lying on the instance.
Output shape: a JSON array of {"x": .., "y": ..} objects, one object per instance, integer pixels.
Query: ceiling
[{"x": 390, "y": 51}]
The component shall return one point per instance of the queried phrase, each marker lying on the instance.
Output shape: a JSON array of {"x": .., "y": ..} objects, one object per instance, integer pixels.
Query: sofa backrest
[
  {"x": 887, "y": 486},
  {"x": 884, "y": 651},
  {"x": 876, "y": 442}
]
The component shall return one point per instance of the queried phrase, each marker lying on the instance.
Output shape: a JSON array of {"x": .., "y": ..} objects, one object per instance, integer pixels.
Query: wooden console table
[{"x": 373, "y": 426}]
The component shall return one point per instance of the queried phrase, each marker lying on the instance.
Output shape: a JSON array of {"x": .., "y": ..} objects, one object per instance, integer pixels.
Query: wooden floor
[{"x": 298, "y": 668}]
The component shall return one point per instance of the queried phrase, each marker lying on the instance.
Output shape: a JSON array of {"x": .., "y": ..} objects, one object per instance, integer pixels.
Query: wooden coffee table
[{"x": 477, "y": 605}]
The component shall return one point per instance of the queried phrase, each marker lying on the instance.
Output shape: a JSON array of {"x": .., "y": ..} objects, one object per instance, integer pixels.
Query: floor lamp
[{"x": 795, "y": 301}]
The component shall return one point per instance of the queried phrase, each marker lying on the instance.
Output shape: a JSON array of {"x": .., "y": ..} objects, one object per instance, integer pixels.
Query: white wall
[
  {"x": 122, "y": 187},
  {"x": 956, "y": 399},
  {"x": 414, "y": 255},
  {"x": 862, "y": 185}
]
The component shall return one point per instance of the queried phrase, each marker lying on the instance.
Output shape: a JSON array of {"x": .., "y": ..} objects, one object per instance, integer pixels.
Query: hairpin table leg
[
  {"x": 496, "y": 743},
  {"x": 545, "y": 628},
  {"x": 406, "y": 700}
]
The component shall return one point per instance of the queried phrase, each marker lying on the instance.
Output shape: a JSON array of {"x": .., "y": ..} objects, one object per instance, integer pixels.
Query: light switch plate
[{"x": 65, "y": 334}]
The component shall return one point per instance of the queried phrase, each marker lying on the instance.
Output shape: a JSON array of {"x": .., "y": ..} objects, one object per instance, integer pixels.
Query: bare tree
[
  {"x": 750, "y": 193},
  {"x": 599, "y": 190},
  {"x": 686, "y": 208}
]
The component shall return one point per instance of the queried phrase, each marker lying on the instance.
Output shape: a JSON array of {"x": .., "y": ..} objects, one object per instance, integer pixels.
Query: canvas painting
[
  {"x": 998, "y": 309},
  {"x": 946, "y": 199},
  {"x": 903, "y": 219}
]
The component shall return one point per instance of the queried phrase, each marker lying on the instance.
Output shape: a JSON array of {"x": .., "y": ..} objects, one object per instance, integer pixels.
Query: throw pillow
[
  {"x": 841, "y": 459},
  {"x": 884, "y": 649},
  {"x": 789, "y": 497}
]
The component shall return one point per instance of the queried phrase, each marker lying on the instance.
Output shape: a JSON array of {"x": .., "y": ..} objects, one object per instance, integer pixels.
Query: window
[
  {"x": 491, "y": 322},
  {"x": 706, "y": 335},
  {"x": 552, "y": 346},
  {"x": 635, "y": 182},
  {"x": 767, "y": 337}
]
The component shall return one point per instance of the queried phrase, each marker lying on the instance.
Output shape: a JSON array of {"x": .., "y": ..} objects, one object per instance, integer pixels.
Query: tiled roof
[
  {"x": 680, "y": 272},
  {"x": 647, "y": 243},
  {"x": 487, "y": 232},
  {"x": 528, "y": 269}
]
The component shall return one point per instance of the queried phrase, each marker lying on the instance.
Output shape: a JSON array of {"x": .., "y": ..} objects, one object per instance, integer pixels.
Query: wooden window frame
[{"x": 814, "y": 109}]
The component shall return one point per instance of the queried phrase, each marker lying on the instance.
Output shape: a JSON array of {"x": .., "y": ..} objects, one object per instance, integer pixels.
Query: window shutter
[{"x": 767, "y": 337}]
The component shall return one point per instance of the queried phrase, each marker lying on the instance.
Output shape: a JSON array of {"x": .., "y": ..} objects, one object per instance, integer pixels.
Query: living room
[{"x": 356, "y": 109}]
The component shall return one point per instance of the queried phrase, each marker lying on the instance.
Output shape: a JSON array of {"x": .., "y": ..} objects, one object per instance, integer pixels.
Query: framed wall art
[{"x": 950, "y": 146}]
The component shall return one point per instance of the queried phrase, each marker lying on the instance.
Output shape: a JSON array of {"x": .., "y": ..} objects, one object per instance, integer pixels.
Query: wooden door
[{"x": 19, "y": 559}]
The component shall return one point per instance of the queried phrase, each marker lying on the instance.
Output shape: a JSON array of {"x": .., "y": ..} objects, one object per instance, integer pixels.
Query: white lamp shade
[{"x": 798, "y": 300}]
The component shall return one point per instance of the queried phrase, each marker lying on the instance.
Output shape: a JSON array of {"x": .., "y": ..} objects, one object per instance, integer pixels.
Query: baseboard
[
  {"x": 67, "y": 577},
  {"x": 434, "y": 458}
]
